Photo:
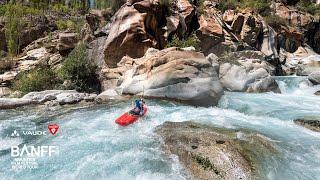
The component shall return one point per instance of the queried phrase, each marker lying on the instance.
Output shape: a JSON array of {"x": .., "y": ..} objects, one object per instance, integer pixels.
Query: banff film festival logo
[{"x": 25, "y": 157}]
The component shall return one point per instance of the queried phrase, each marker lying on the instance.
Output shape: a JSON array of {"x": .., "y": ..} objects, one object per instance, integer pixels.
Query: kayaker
[{"x": 138, "y": 107}]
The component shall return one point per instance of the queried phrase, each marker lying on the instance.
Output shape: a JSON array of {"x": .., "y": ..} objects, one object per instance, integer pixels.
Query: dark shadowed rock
[{"x": 313, "y": 125}]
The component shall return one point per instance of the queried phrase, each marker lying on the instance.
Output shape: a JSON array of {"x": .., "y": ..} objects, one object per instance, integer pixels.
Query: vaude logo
[
  {"x": 15, "y": 134},
  {"x": 29, "y": 133}
]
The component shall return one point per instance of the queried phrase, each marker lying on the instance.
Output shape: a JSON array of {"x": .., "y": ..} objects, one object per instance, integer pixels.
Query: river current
[{"x": 92, "y": 146}]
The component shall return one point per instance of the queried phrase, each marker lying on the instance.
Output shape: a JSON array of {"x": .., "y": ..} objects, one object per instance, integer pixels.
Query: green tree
[
  {"x": 13, "y": 27},
  {"x": 80, "y": 71}
]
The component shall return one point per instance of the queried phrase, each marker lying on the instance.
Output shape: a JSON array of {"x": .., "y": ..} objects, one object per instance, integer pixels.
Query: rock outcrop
[
  {"x": 176, "y": 74},
  {"x": 139, "y": 25},
  {"x": 130, "y": 31},
  {"x": 67, "y": 41},
  {"x": 212, "y": 153},
  {"x": 12, "y": 103},
  {"x": 313, "y": 125}
]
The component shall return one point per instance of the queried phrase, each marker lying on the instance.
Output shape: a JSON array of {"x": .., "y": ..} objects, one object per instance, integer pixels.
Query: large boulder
[
  {"x": 238, "y": 78},
  {"x": 207, "y": 152},
  {"x": 176, "y": 74}
]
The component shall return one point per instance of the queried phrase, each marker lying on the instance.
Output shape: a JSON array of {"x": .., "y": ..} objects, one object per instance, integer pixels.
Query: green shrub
[
  {"x": 308, "y": 6},
  {"x": 229, "y": 57},
  {"x": 60, "y": 8},
  {"x": 192, "y": 40},
  {"x": 80, "y": 71},
  {"x": 165, "y": 3},
  {"x": 260, "y": 6},
  {"x": 38, "y": 79},
  {"x": 227, "y": 4},
  {"x": 65, "y": 24},
  {"x": 275, "y": 21},
  {"x": 3, "y": 9}
]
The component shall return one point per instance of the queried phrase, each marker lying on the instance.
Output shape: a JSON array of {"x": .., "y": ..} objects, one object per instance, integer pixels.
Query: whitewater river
[{"x": 92, "y": 146}]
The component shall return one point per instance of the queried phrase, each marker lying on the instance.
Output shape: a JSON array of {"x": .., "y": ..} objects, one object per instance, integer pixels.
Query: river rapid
[{"x": 92, "y": 146}]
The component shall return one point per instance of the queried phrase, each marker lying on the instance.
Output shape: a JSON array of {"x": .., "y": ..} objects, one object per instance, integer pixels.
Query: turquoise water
[{"x": 92, "y": 146}]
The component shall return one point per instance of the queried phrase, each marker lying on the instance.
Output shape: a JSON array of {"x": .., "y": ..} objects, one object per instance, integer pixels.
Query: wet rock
[
  {"x": 61, "y": 96},
  {"x": 11, "y": 103},
  {"x": 172, "y": 73},
  {"x": 237, "y": 78},
  {"x": 314, "y": 78},
  {"x": 107, "y": 95},
  {"x": 264, "y": 85},
  {"x": 210, "y": 153},
  {"x": 313, "y": 125},
  {"x": 317, "y": 93},
  {"x": 305, "y": 84}
]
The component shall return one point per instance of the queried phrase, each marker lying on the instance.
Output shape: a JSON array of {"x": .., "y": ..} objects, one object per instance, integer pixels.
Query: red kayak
[{"x": 127, "y": 118}]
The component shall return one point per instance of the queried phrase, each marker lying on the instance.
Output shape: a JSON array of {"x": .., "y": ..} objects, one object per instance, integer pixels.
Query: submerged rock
[
  {"x": 211, "y": 153},
  {"x": 317, "y": 93},
  {"x": 313, "y": 125}
]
